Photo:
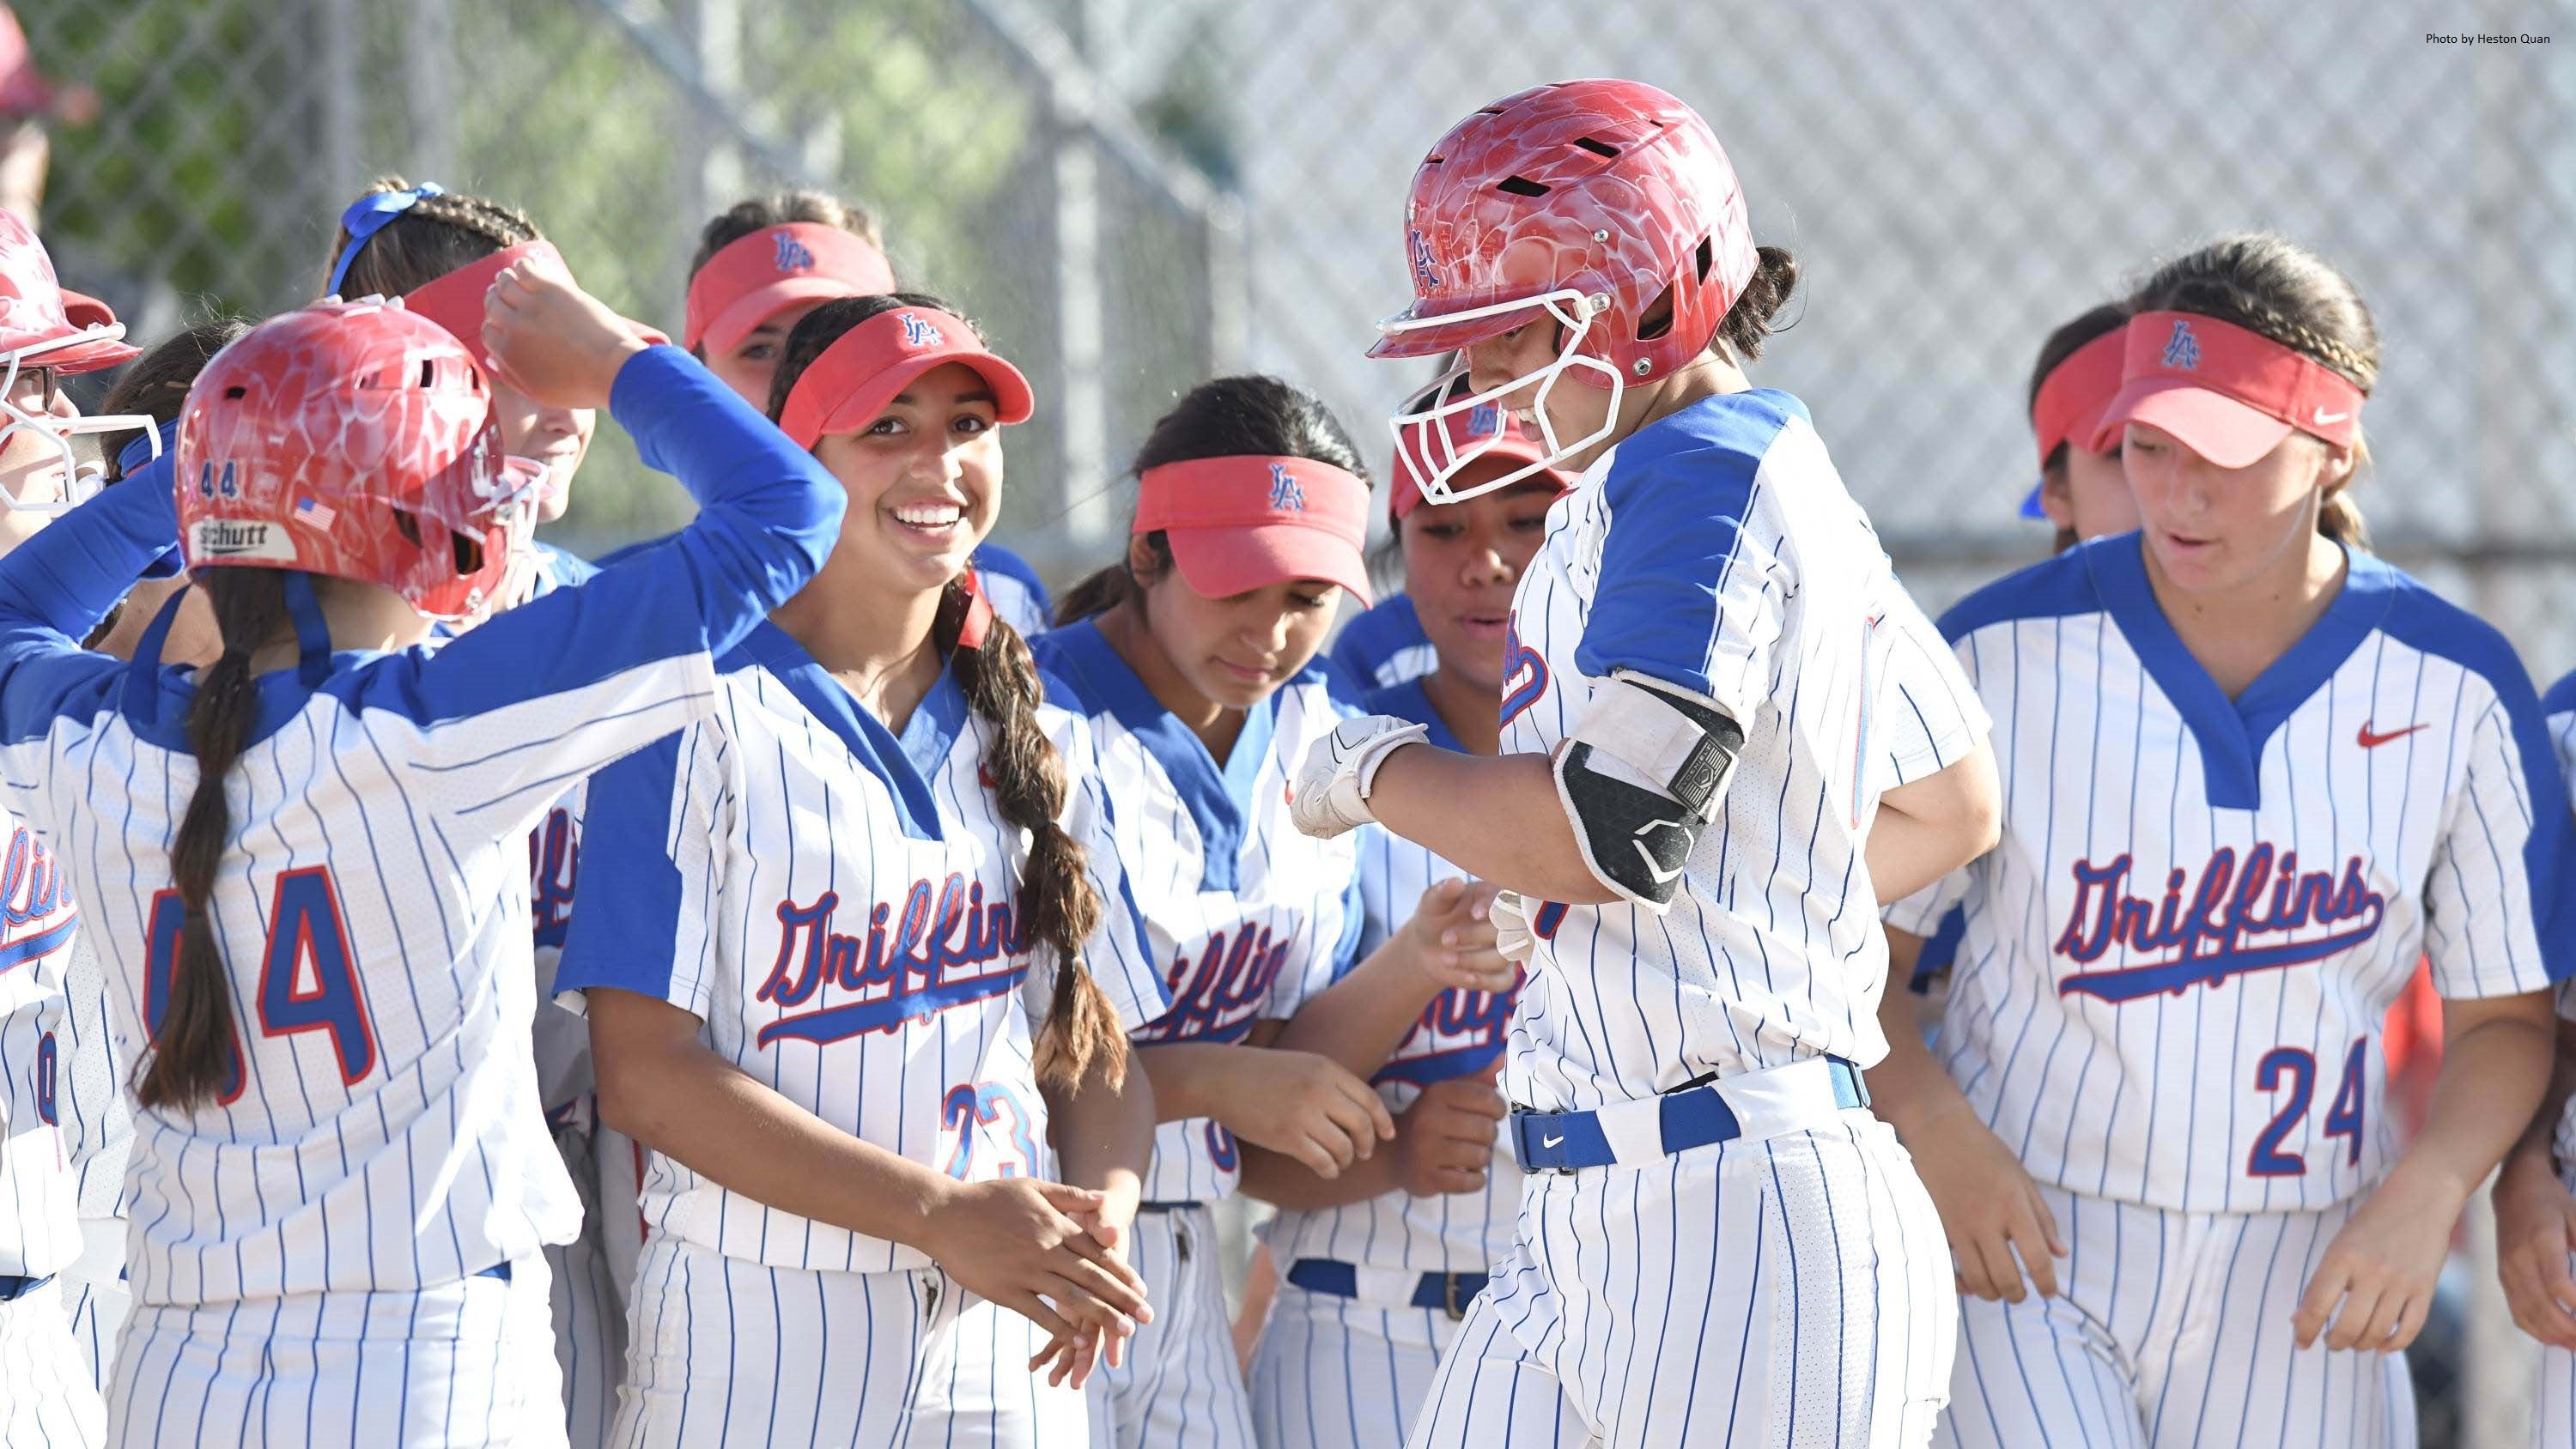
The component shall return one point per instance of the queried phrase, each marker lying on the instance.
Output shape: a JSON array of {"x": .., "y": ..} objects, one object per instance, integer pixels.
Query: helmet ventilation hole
[
  {"x": 1521, "y": 186},
  {"x": 429, "y": 372},
  {"x": 235, "y": 391},
  {"x": 1596, "y": 147}
]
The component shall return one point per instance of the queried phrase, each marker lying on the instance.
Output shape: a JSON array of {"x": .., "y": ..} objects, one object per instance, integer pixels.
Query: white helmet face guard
[
  {"x": 1425, "y": 434},
  {"x": 79, "y": 480}
]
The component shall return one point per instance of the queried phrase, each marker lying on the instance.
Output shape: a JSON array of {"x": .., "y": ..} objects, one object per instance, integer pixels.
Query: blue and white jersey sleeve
[
  {"x": 2497, "y": 910},
  {"x": 1385, "y": 646},
  {"x": 1692, "y": 577},
  {"x": 656, "y": 821},
  {"x": 1926, "y": 709},
  {"x": 1014, "y": 590},
  {"x": 1120, "y": 953}
]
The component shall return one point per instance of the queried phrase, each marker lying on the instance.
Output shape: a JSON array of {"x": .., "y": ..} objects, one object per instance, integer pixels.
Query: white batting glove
[
  {"x": 1332, "y": 787},
  {"x": 1512, "y": 935}
]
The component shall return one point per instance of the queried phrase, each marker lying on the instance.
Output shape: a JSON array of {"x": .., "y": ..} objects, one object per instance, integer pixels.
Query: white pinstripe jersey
[
  {"x": 98, "y": 1125},
  {"x": 1014, "y": 590},
  {"x": 2176, "y": 966},
  {"x": 2558, "y": 711},
  {"x": 837, "y": 905},
  {"x": 1246, "y": 916},
  {"x": 1459, "y": 1034},
  {"x": 562, "y": 1038},
  {"x": 378, "y": 1126},
  {"x": 38, "y": 919},
  {"x": 1717, "y": 550}
]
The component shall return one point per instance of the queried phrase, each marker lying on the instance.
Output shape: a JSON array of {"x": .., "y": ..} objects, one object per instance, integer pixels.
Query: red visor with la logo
[
  {"x": 868, "y": 367},
  {"x": 756, "y": 277},
  {"x": 2225, "y": 392},
  {"x": 1462, "y": 432},
  {"x": 1237, "y": 524}
]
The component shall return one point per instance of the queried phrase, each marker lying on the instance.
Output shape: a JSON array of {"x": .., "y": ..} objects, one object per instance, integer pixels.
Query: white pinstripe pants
[
  {"x": 726, "y": 1351},
  {"x": 2171, "y": 1330},
  {"x": 468, "y": 1363},
  {"x": 47, "y": 1400},
  {"x": 1793, "y": 1290},
  {"x": 1334, "y": 1373},
  {"x": 1180, "y": 1387}
]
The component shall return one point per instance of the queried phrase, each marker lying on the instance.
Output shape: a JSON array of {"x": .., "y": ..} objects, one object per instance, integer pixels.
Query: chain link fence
[{"x": 1136, "y": 194}]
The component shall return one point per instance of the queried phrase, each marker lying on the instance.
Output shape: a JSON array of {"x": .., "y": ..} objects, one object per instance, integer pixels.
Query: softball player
[
  {"x": 1382, "y": 1261},
  {"x": 339, "y": 1176},
  {"x": 761, "y": 265},
  {"x": 47, "y": 1393},
  {"x": 2252, "y": 772},
  {"x": 1385, "y": 646},
  {"x": 1195, "y": 659},
  {"x": 856, "y": 1201},
  {"x": 1717, "y": 1244},
  {"x": 439, "y": 251},
  {"x": 2535, "y": 1194}
]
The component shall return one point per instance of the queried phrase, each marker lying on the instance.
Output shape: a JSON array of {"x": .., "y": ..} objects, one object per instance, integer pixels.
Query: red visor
[
  {"x": 455, "y": 301},
  {"x": 1242, "y": 523},
  {"x": 747, "y": 281},
  {"x": 2072, "y": 397},
  {"x": 870, "y": 365},
  {"x": 1467, "y": 431},
  {"x": 2229, "y": 394}
]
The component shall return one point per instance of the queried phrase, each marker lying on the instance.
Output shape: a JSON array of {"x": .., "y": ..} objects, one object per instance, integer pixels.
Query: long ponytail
[
  {"x": 1058, "y": 907},
  {"x": 190, "y": 1048}
]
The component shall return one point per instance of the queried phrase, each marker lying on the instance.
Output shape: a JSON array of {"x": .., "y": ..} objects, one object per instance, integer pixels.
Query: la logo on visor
[
  {"x": 1287, "y": 495},
  {"x": 2182, "y": 350},
  {"x": 1485, "y": 420},
  {"x": 917, "y": 333},
  {"x": 793, "y": 255}
]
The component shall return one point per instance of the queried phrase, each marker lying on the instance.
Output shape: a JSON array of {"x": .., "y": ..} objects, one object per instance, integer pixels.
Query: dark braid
[
  {"x": 1058, "y": 909},
  {"x": 192, "y": 1050},
  {"x": 435, "y": 237}
]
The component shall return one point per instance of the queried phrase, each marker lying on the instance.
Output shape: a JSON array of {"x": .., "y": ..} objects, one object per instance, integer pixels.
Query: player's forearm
[
  {"x": 1496, "y": 817},
  {"x": 1104, "y": 1135},
  {"x": 1189, "y": 1077},
  {"x": 1360, "y": 1018},
  {"x": 2497, "y": 1066},
  {"x": 698, "y": 1109},
  {"x": 2539, "y": 1137},
  {"x": 1927, "y": 829},
  {"x": 1284, "y": 1182},
  {"x": 1908, "y": 1088}
]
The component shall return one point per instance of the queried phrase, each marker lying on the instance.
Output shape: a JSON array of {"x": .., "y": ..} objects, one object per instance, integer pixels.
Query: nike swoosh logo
[
  {"x": 1550, "y": 1141},
  {"x": 2325, "y": 419},
  {"x": 2371, "y": 741}
]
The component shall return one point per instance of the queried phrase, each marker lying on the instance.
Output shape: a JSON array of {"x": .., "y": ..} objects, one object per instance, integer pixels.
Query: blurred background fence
[{"x": 1137, "y": 194}]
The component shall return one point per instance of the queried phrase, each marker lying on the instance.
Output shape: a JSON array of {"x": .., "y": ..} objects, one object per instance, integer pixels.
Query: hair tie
[
  {"x": 979, "y": 613},
  {"x": 370, "y": 214}
]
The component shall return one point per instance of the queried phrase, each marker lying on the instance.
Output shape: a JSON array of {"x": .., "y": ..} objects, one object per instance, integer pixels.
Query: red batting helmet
[
  {"x": 354, "y": 439},
  {"x": 43, "y": 326},
  {"x": 1589, "y": 201}
]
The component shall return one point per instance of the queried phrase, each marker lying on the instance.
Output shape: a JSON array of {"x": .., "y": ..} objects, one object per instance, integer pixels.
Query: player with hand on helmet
[{"x": 308, "y": 856}]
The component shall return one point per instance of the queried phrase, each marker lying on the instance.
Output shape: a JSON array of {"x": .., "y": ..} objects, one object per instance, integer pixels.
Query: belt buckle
[{"x": 1449, "y": 1297}]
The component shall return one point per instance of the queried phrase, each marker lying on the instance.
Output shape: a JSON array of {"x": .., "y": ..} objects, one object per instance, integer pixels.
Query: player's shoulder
[
  {"x": 1381, "y": 631},
  {"x": 559, "y": 567},
  {"x": 1705, "y": 456},
  {"x": 992, "y": 558},
  {"x": 2413, "y": 614},
  {"x": 2560, "y": 698},
  {"x": 2066, "y": 585},
  {"x": 1080, "y": 669}
]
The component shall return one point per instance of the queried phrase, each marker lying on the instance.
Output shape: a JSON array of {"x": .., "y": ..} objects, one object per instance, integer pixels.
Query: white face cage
[
  {"x": 78, "y": 479},
  {"x": 1425, "y": 434}
]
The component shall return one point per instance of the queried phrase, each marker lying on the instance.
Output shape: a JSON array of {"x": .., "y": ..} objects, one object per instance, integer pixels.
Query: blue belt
[
  {"x": 1168, "y": 1207},
  {"x": 1448, "y": 1292},
  {"x": 1692, "y": 1116},
  {"x": 14, "y": 1286}
]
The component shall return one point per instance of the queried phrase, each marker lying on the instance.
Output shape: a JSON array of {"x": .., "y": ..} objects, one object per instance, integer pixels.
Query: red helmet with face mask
[
  {"x": 1606, "y": 206},
  {"x": 45, "y": 328}
]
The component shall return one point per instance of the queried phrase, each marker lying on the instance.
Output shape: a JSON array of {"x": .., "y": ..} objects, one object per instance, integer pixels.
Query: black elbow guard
[{"x": 1641, "y": 777}]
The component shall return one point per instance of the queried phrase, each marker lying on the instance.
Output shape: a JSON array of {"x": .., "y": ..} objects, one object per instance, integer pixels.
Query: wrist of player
[{"x": 1331, "y": 791}]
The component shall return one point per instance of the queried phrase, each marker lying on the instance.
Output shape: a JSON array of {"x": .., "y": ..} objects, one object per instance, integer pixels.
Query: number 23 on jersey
[{"x": 308, "y": 980}]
